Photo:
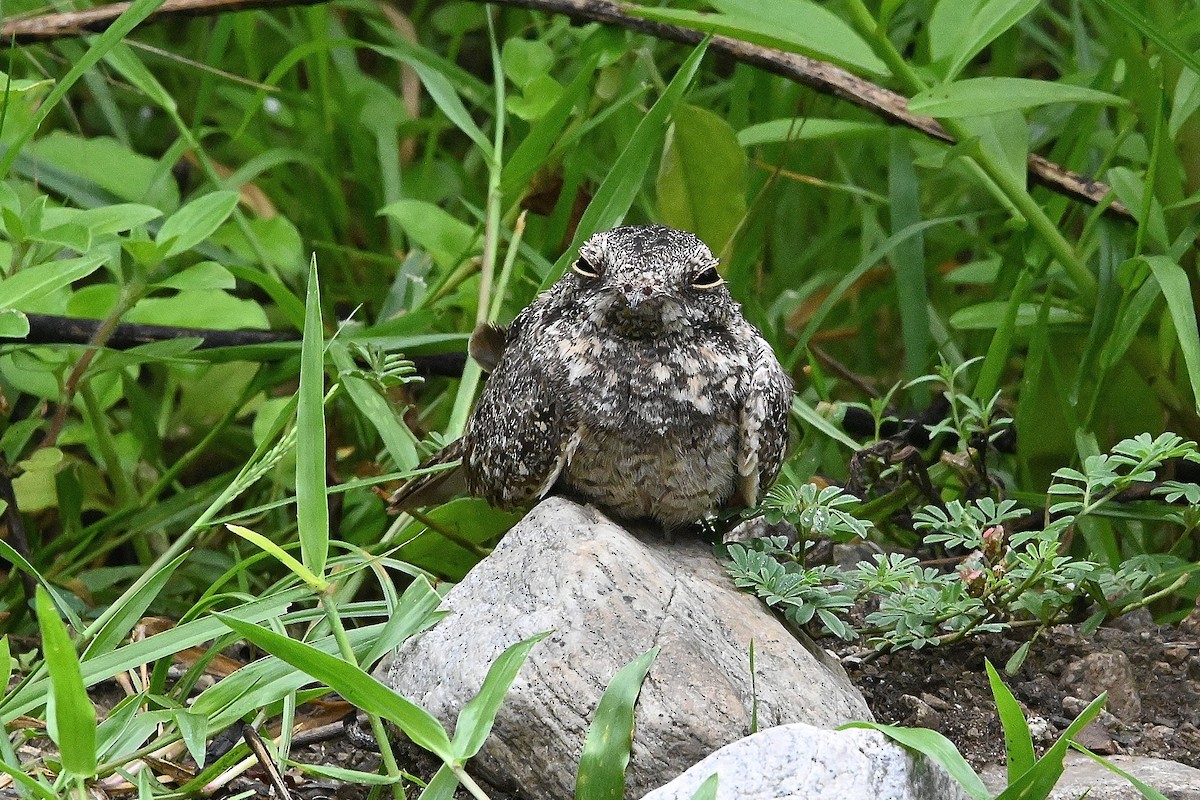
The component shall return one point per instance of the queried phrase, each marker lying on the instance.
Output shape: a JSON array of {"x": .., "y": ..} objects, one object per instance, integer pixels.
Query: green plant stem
[
  {"x": 1005, "y": 181},
  {"x": 468, "y": 782},
  {"x": 122, "y": 485},
  {"x": 1178, "y": 584},
  {"x": 491, "y": 241},
  {"x": 391, "y": 766}
]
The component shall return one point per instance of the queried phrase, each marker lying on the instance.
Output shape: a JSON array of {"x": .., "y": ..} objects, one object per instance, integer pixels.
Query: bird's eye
[
  {"x": 585, "y": 268},
  {"x": 709, "y": 278}
]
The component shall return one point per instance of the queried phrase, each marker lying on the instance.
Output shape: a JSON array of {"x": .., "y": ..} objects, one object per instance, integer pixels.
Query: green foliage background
[{"x": 442, "y": 159}]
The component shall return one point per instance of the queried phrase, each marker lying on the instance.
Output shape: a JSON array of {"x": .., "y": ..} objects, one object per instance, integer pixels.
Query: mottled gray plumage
[{"x": 634, "y": 383}]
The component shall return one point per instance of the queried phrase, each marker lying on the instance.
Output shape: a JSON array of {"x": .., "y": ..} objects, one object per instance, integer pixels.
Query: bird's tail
[{"x": 444, "y": 481}]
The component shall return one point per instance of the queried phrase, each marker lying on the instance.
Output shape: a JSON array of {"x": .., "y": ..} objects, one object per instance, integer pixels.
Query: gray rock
[
  {"x": 1106, "y": 671},
  {"x": 799, "y": 762},
  {"x": 1082, "y": 775},
  {"x": 610, "y": 596}
]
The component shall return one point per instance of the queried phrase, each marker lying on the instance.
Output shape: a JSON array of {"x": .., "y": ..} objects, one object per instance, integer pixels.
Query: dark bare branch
[{"x": 50, "y": 329}]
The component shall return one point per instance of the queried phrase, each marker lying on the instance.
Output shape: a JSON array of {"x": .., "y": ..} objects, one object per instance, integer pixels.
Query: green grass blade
[
  {"x": 937, "y": 748},
  {"x": 74, "y": 714},
  {"x": 399, "y": 441},
  {"x": 1037, "y": 782},
  {"x": 476, "y": 719},
  {"x": 708, "y": 789},
  {"x": 1147, "y": 791},
  {"x": 352, "y": 683},
  {"x": 122, "y": 25},
  {"x": 605, "y": 755},
  {"x": 908, "y": 259},
  {"x": 6, "y": 665},
  {"x": 38, "y": 790},
  {"x": 312, "y": 505},
  {"x": 416, "y": 610},
  {"x": 1018, "y": 743},
  {"x": 1141, "y": 23},
  {"x": 131, "y": 610},
  {"x": 619, "y": 188},
  {"x": 442, "y": 786},
  {"x": 1177, "y": 290}
]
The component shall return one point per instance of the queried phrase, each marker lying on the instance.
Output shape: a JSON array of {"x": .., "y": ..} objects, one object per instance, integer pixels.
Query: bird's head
[{"x": 648, "y": 280}]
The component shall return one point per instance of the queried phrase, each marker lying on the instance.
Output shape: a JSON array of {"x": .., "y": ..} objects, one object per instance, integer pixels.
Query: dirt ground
[{"x": 1151, "y": 672}]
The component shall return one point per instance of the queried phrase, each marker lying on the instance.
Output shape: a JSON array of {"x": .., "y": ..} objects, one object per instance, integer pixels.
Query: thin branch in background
[
  {"x": 51, "y": 329},
  {"x": 820, "y": 76}
]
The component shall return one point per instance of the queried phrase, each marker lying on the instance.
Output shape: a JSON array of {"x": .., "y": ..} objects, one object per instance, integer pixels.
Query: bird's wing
[
  {"x": 518, "y": 440},
  {"x": 764, "y": 430}
]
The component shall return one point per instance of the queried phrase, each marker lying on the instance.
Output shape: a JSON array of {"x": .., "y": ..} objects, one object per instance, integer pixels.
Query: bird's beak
[{"x": 637, "y": 293}]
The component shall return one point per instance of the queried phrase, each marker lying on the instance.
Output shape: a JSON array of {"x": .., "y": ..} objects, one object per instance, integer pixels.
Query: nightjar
[{"x": 634, "y": 383}]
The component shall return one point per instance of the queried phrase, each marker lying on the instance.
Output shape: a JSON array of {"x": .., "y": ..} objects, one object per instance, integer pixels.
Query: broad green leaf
[
  {"x": 947, "y": 25},
  {"x": 531, "y": 153},
  {"x": 1176, "y": 288},
  {"x": 352, "y": 683},
  {"x": 619, "y": 188},
  {"x": 983, "y": 96},
  {"x": 199, "y": 308},
  {"x": 448, "y": 240},
  {"x": 205, "y": 275},
  {"x": 605, "y": 754},
  {"x": 476, "y": 523},
  {"x": 477, "y": 716},
  {"x": 937, "y": 748},
  {"x": 1184, "y": 101},
  {"x": 702, "y": 176},
  {"x": 990, "y": 20},
  {"x": 1005, "y": 137},
  {"x": 799, "y": 26},
  {"x": 525, "y": 60},
  {"x": 195, "y": 222},
  {"x": 35, "y": 282},
  {"x": 70, "y": 236},
  {"x": 312, "y": 502},
  {"x": 13, "y": 324},
  {"x": 801, "y": 129},
  {"x": 989, "y": 316},
  {"x": 131, "y": 609},
  {"x": 537, "y": 98},
  {"x": 115, "y": 218},
  {"x": 1018, "y": 743},
  {"x": 74, "y": 714}
]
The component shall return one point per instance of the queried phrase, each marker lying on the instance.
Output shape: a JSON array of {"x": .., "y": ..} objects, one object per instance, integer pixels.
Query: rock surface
[
  {"x": 800, "y": 762},
  {"x": 610, "y": 596},
  {"x": 1082, "y": 775}
]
